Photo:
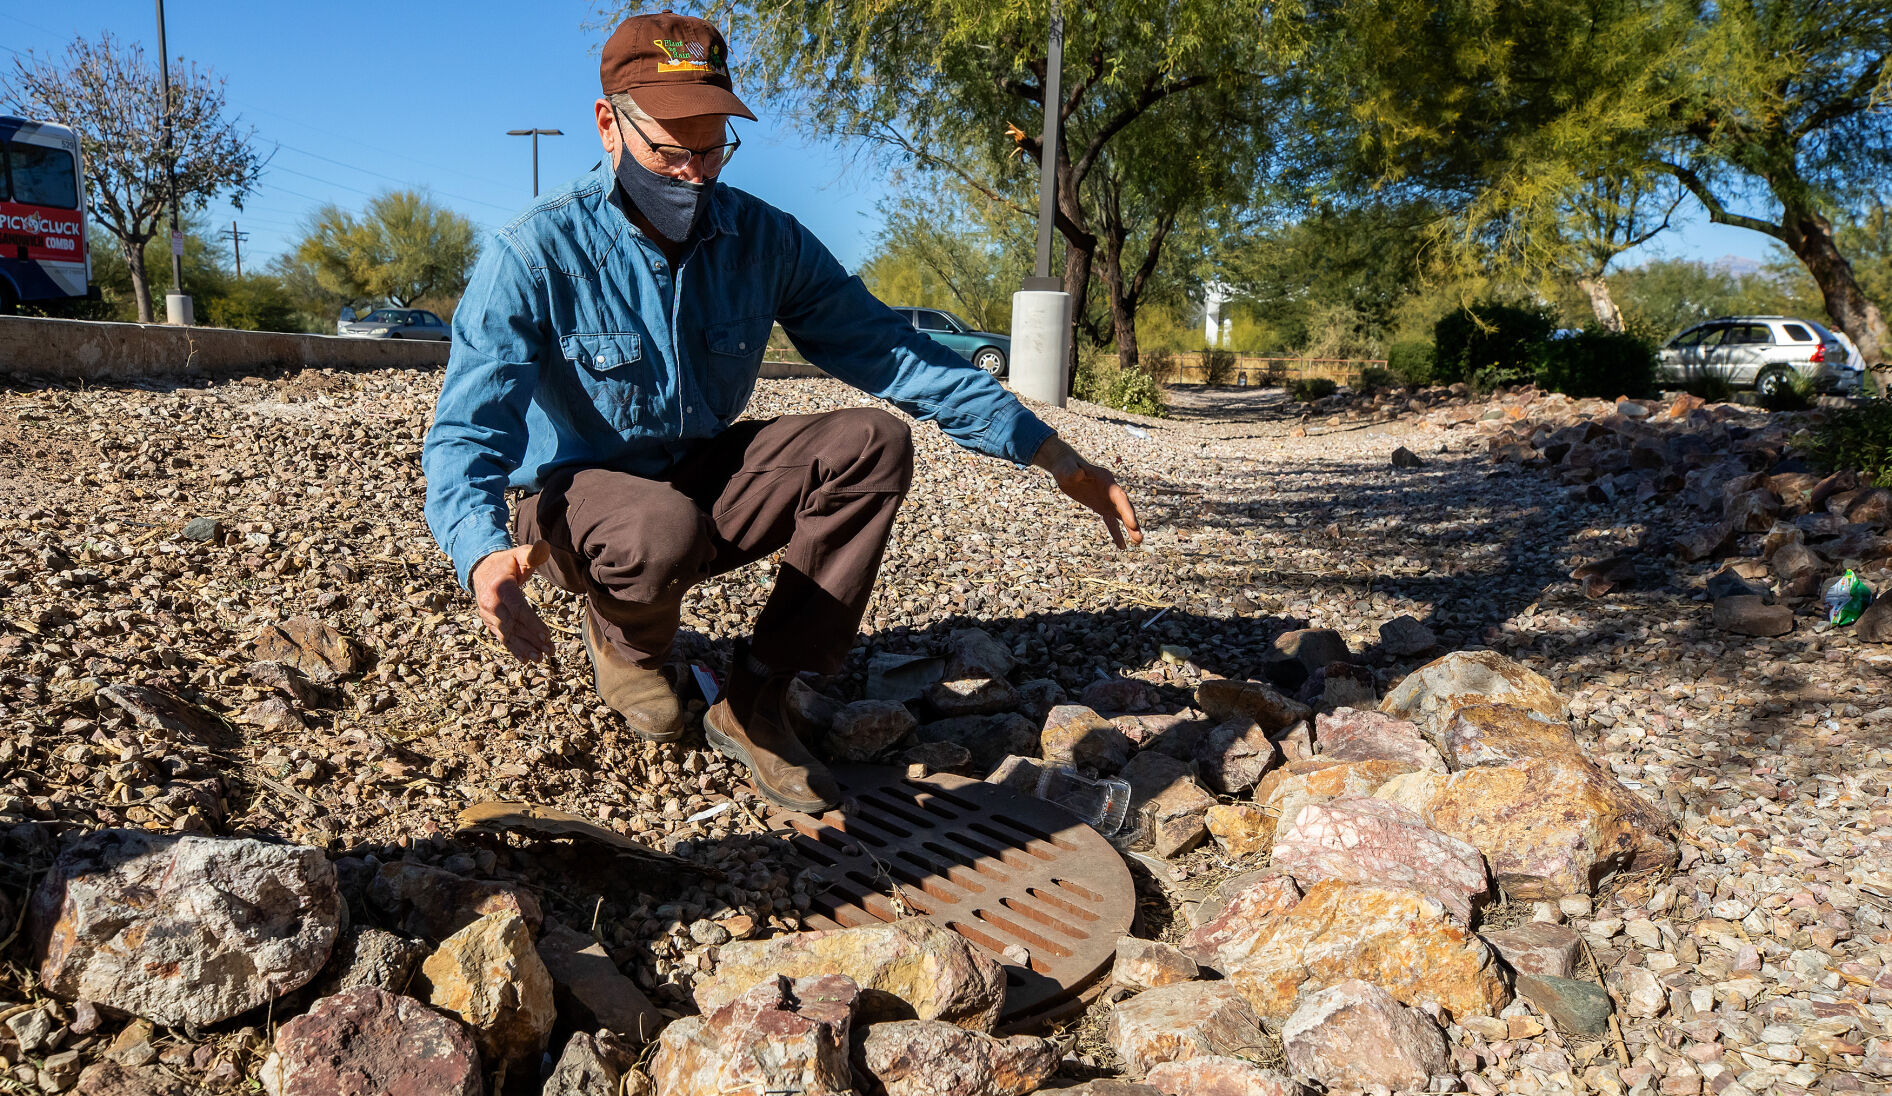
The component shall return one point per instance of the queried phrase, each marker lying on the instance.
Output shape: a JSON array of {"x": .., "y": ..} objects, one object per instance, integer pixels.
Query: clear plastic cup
[{"x": 1103, "y": 803}]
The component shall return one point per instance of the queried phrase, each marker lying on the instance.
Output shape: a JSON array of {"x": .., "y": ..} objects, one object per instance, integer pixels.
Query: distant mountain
[{"x": 1740, "y": 266}]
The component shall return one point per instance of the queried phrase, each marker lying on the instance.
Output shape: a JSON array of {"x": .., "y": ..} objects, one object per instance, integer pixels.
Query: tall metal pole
[
  {"x": 1048, "y": 161},
  {"x": 170, "y": 161},
  {"x": 534, "y": 134}
]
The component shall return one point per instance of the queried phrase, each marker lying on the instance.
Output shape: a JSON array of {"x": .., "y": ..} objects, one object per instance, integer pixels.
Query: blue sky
[{"x": 359, "y": 98}]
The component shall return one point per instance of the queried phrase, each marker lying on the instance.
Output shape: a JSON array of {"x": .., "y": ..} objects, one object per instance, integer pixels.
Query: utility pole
[
  {"x": 177, "y": 303},
  {"x": 535, "y": 134},
  {"x": 236, "y": 244}
]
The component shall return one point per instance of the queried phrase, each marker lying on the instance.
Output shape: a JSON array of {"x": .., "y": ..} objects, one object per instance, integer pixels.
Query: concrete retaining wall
[
  {"x": 89, "y": 351},
  {"x": 85, "y": 350}
]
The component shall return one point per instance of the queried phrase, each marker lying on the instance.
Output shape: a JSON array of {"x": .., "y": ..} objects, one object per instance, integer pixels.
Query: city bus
[{"x": 43, "y": 257}]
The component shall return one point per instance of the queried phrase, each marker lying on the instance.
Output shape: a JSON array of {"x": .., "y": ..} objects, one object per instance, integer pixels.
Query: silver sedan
[{"x": 397, "y": 323}]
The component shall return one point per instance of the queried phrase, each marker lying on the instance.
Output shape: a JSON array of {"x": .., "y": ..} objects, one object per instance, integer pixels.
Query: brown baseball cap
[{"x": 674, "y": 66}]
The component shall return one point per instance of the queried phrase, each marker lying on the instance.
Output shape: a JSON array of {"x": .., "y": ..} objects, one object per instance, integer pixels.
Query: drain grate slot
[{"x": 1005, "y": 871}]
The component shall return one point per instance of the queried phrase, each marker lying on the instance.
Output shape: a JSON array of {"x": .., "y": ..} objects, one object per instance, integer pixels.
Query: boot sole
[{"x": 732, "y": 748}]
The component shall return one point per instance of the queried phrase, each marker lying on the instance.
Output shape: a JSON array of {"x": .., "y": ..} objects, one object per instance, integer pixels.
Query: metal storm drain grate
[{"x": 1005, "y": 871}]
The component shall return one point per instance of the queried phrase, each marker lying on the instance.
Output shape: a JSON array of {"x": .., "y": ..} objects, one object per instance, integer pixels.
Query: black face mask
[{"x": 674, "y": 207}]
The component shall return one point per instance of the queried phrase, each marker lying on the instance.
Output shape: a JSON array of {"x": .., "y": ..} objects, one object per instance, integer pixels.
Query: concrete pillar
[
  {"x": 1041, "y": 345},
  {"x": 178, "y": 311}
]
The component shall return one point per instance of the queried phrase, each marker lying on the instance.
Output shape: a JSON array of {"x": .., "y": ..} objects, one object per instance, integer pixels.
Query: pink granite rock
[
  {"x": 782, "y": 1035},
  {"x": 1538, "y": 947},
  {"x": 1355, "y": 1035},
  {"x": 369, "y": 1042},
  {"x": 1359, "y": 839},
  {"x": 1349, "y": 734},
  {"x": 933, "y": 1058},
  {"x": 1176, "y": 1023},
  {"x": 1249, "y": 918},
  {"x": 1215, "y": 1076}
]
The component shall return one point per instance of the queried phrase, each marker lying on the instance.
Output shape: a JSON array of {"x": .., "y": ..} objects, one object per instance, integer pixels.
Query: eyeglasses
[{"x": 677, "y": 157}]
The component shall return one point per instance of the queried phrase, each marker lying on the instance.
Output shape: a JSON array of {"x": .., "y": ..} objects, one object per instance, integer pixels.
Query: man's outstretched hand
[
  {"x": 499, "y": 588},
  {"x": 1093, "y": 486}
]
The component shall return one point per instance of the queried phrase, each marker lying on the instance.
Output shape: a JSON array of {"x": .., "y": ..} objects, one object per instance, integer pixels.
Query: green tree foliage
[
  {"x": 254, "y": 302},
  {"x": 113, "y": 97},
  {"x": 1598, "y": 363},
  {"x": 958, "y": 86},
  {"x": 940, "y": 248},
  {"x": 1502, "y": 110},
  {"x": 1661, "y": 297},
  {"x": 402, "y": 248}
]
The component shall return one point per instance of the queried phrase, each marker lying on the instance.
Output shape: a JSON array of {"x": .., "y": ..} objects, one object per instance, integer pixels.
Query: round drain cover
[{"x": 1024, "y": 881}]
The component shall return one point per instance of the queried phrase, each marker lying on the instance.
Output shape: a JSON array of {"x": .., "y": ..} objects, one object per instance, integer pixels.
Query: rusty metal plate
[{"x": 1003, "y": 870}]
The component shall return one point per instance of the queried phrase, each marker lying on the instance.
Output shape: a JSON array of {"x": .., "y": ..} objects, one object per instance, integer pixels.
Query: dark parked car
[
  {"x": 989, "y": 352},
  {"x": 397, "y": 323}
]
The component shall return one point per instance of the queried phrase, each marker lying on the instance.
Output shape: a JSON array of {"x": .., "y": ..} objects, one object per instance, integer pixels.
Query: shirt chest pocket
[
  {"x": 609, "y": 366},
  {"x": 735, "y": 357}
]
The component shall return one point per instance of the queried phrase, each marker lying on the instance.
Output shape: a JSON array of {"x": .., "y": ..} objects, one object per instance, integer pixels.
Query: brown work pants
[{"x": 826, "y": 487}]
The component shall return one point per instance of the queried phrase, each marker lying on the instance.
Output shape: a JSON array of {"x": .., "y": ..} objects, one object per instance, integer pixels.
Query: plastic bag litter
[{"x": 1846, "y": 598}]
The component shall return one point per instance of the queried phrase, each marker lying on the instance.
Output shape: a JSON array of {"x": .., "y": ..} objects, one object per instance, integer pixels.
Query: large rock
[
  {"x": 1284, "y": 792},
  {"x": 369, "y": 1042},
  {"x": 1359, "y": 839},
  {"x": 1235, "y": 754},
  {"x": 183, "y": 930},
  {"x": 778, "y": 1035},
  {"x": 1429, "y": 695},
  {"x": 1875, "y": 624},
  {"x": 109, "y": 1078},
  {"x": 932, "y": 1058},
  {"x": 319, "y": 651},
  {"x": 1747, "y": 615},
  {"x": 434, "y": 904},
  {"x": 989, "y": 738},
  {"x": 1249, "y": 917},
  {"x": 972, "y": 696},
  {"x": 1176, "y": 1023},
  {"x": 1077, "y": 736},
  {"x": 1355, "y": 1035},
  {"x": 371, "y": 957},
  {"x": 1223, "y": 698},
  {"x": 489, "y": 975},
  {"x": 1549, "y": 827},
  {"x": 1168, "y": 809},
  {"x": 1348, "y": 734},
  {"x": 587, "y": 984},
  {"x": 1538, "y": 947},
  {"x": 1498, "y": 734},
  {"x": 585, "y": 1068},
  {"x": 1314, "y": 648},
  {"x": 1573, "y": 1005},
  {"x": 911, "y": 969},
  {"x": 1403, "y": 637},
  {"x": 1393, "y": 937},
  {"x": 973, "y": 653},
  {"x": 866, "y": 729},
  {"x": 1240, "y": 829},
  {"x": 1147, "y": 964},
  {"x": 1217, "y": 1076}
]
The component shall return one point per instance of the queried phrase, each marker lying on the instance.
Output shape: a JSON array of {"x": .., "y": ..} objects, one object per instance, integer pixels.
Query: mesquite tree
[{"x": 113, "y": 98}]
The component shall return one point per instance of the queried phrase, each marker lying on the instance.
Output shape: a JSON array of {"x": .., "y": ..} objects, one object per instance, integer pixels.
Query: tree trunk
[
  {"x": 1123, "y": 313},
  {"x": 140, "y": 282},
  {"x": 1810, "y": 237},
  {"x": 1602, "y": 303}
]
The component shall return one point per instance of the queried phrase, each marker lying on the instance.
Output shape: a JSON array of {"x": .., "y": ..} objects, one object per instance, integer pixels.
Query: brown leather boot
[
  {"x": 751, "y": 725},
  {"x": 643, "y": 697}
]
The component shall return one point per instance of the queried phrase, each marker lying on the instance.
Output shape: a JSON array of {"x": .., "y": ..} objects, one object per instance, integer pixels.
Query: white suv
[{"x": 1762, "y": 352}]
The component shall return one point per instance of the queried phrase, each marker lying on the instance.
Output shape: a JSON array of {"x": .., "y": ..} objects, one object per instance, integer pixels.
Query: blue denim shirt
[{"x": 578, "y": 343}]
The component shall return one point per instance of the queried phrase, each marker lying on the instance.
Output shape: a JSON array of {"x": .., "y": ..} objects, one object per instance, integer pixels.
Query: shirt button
[
  {"x": 689, "y": 410},
  {"x": 742, "y": 346}
]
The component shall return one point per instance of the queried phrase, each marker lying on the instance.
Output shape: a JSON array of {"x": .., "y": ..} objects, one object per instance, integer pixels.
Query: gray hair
[{"x": 621, "y": 101}]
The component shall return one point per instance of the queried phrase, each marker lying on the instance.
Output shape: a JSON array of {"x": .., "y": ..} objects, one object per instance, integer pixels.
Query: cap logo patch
[{"x": 690, "y": 57}]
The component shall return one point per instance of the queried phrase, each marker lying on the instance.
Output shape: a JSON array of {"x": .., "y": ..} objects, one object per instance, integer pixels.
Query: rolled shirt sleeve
[
  {"x": 479, "y": 433},
  {"x": 838, "y": 325}
]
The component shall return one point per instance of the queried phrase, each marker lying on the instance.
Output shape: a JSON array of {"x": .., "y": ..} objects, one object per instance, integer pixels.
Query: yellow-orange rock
[
  {"x": 1240, "y": 829},
  {"x": 1395, "y": 938},
  {"x": 1283, "y": 792},
  {"x": 1431, "y": 694},
  {"x": 1498, "y": 734},
  {"x": 1549, "y": 827},
  {"x": 1225, "y": 698}
]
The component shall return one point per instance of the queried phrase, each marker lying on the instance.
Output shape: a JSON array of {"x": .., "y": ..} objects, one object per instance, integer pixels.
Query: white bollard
[
  {"x": 178, "y": 311},
  {"x": 1041, "y": 345}
]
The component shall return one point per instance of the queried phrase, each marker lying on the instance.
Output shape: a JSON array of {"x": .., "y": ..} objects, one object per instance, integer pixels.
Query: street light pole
[
  {"x": 1041, "y": 309},
  {"x": 535, "y": 134},
  {"x": 177, "y": 304}
]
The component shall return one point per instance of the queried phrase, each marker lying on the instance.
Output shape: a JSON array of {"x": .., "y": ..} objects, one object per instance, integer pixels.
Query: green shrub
[
  {"x": 1375, "y": 379},
  {"x": 1410, "y": 361},
  {"x": 1489, "y": 344},
  {"x": 1099, "y": 380},
  {"x": 1600, "y": 364},
  {"x": 1159, "y": 364},
  {"x": 1309, "y": 389},
  {"x": 1861, "y": 438},
  {"x": 1276, "y": 375},
  {"x": 1797, "y": 394},
  {"x": 1218, "y": 365},
  {"x": 1712, "y": 383}
]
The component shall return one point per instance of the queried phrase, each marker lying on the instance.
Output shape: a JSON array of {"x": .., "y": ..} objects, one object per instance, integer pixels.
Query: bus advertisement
[{"x": 43, "y": 255}]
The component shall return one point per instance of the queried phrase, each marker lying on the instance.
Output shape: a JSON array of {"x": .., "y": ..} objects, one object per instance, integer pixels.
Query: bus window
[{"x": 43, "y": 176}]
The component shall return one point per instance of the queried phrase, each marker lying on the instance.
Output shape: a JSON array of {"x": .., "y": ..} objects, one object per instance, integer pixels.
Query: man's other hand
[
  {"x": 499, "y": 588},
  {"x": 1093, "y": 486}
]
